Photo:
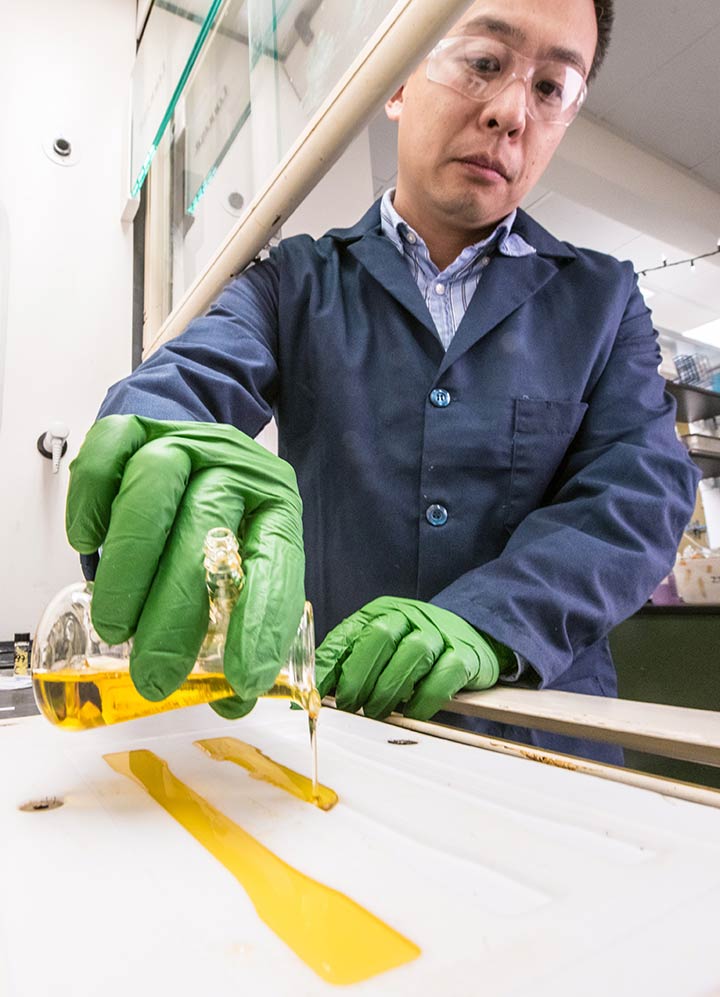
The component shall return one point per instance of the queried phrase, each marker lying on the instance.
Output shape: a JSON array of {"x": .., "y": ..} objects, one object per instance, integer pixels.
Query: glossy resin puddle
[
  {"x": 337, "y": 938},
  {"x": 230, "y": 749}
]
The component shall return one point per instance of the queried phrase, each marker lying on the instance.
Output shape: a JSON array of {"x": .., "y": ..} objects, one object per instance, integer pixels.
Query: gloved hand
[
  {"x": 395, "y": 651},
  {"x": 148, "y": 492}
]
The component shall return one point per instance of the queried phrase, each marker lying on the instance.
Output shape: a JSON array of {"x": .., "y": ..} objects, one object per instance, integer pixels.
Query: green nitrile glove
[
  {"x": 148, "y": 492},
  {"x": 395, "y": 651}
]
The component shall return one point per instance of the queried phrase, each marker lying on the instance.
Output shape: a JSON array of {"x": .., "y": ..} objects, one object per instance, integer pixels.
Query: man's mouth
[{"x": 487, "y": 165}]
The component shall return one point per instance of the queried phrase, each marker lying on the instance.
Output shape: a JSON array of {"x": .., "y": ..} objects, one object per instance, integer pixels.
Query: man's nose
[{"x": 507, "y": 110}]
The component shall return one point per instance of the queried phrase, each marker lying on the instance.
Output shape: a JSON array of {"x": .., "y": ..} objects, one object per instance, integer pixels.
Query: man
[{"x": 487, "y": 460}]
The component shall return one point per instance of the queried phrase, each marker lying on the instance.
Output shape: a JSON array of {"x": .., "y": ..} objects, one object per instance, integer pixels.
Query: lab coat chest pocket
[{"x": 542, "y": 433}]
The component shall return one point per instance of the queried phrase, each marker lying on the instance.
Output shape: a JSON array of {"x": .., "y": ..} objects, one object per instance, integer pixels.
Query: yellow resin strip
[
  {"x": 230, "y": 749},
  {"x": 337, "y": 938}
]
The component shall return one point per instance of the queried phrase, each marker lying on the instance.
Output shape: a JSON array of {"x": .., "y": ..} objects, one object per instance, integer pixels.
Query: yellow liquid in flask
[
  {"x": 337, "y": 938},
  {"x": 81, "y": 698}
]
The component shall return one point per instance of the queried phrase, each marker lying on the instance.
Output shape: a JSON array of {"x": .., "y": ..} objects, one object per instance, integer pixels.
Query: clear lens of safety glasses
[{"x": 480, "y": 68}]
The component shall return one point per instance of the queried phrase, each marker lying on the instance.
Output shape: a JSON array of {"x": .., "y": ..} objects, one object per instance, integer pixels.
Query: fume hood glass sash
[
  {"x": 173, "y": 38},
  {"x": 268, "y": 73}
]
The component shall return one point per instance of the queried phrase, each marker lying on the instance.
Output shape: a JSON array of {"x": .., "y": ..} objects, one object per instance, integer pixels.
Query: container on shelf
[{"x": 698, "y": 579}]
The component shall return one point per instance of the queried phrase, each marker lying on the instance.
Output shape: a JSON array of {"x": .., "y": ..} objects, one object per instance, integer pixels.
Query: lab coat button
[
  {"x": 436, "y": 515},
  {"x": 440, "y": 398}
]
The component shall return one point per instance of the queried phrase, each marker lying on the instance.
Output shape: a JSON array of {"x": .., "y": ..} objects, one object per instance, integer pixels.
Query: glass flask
[{"x": 80, "y": 682}]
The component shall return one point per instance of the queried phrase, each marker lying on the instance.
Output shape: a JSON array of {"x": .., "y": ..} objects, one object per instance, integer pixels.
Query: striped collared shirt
[{"x": 448, "y": 293}]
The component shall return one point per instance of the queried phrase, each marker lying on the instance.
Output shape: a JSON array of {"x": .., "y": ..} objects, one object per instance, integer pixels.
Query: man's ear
[{"x": 394, "y": 106}]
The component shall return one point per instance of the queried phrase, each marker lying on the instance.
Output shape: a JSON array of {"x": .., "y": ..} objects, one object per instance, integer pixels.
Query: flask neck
[
  {"x": 223, "y": 566},
  {"x": 222, "y": 555},
  {"x": 224, "y": 579}
]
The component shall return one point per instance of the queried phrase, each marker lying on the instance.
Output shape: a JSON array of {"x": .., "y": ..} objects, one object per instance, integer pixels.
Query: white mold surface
[{"x": 513, "y": 877}]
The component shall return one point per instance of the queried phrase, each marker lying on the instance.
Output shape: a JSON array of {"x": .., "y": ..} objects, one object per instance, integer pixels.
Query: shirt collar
[{"x": 407, "y": 240}]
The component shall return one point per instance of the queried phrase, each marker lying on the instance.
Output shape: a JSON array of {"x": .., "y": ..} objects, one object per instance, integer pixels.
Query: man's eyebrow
[
  {"x": 495, "y": 26},
  {"x": 569, "y": 55},
  {"x": 511, "y": 32}
]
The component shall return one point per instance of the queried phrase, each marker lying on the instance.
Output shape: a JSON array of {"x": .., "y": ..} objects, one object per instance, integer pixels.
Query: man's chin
[{"x": 478, "y": 216}]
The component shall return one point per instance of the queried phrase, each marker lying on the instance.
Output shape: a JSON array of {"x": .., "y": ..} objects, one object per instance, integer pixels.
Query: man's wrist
[{"x": 507, "y": 659}]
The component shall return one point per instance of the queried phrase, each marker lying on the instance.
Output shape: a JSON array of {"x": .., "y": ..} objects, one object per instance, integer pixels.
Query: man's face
[{"x": 467, "y": 164}]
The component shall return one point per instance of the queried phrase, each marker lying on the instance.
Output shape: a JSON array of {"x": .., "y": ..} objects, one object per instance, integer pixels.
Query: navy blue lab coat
[{"x": 556, "y": 458}]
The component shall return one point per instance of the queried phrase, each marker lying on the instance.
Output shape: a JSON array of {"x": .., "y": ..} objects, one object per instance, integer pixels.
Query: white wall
[
  {"x": 597, "y": 168},
  {"x": 65, "y": 65}
]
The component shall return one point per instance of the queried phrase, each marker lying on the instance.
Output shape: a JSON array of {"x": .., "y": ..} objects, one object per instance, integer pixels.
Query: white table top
[{"x": 513, "y": 878}]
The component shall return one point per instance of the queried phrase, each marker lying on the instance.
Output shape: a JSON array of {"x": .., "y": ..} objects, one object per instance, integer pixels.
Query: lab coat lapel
[
  {"x": 507, "y": 284},
  {"x": 381, "y": 259}
]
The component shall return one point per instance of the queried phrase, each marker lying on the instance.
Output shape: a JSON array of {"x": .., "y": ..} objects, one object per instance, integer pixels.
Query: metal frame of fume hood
[{"x": 670, "y": 731}]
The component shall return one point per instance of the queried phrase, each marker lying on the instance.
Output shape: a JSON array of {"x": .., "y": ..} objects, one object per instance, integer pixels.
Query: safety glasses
[{"x": 481, "y": 67}]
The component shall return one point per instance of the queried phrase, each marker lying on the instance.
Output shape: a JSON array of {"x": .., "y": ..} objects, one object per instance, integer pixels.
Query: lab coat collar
[
  {"x": 533, "y": 233},
  {"x": 504, "y": 287}
]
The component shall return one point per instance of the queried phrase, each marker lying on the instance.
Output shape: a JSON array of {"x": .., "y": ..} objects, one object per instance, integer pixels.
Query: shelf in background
[
  {"x": 705, "y": 452},
  {"x": 679, "y": 609},
  {"x": 693, "y": 403}
]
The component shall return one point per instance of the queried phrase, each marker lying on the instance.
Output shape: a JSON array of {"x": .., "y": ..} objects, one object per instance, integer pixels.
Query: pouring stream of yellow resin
[
  {"x": 230, "y": 749},
  {"x": 336, "y": 937}
]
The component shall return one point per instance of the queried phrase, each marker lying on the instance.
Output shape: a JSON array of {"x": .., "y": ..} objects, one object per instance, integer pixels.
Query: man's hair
[{"x": 605, "y": 14}]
